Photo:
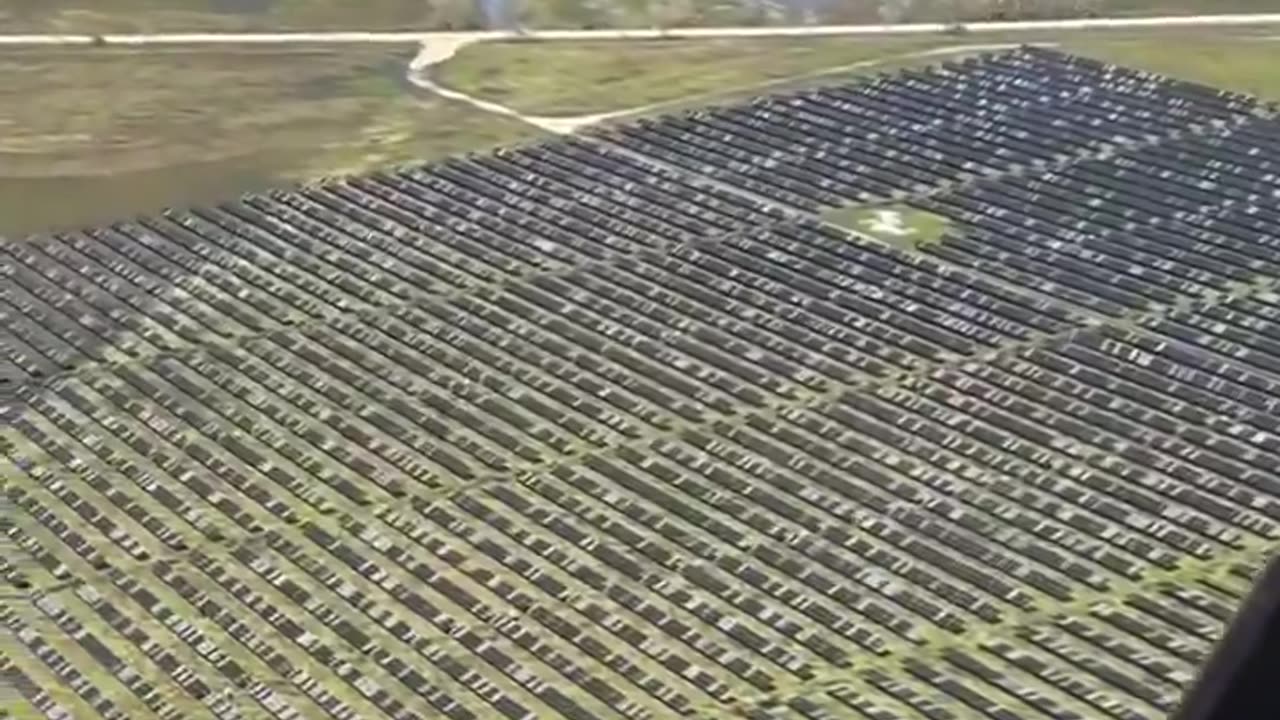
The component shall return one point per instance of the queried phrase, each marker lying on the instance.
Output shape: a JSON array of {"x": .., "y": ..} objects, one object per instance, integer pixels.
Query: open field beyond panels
[
  {"x": 120, "y": 132},
  {"x": 574, "y": 77},
  {"x": 578, "y": 78},
  {"x": 616, "y": 426}
]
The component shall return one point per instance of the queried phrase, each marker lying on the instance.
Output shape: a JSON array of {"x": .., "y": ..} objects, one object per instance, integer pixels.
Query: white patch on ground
[{"x": 888, "y": 222}]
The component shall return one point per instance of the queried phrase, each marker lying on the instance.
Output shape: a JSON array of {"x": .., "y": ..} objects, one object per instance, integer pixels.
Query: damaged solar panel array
[{"x": 582, "y": 430}]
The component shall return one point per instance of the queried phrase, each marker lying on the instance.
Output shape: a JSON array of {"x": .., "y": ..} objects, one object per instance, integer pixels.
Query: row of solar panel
[
  {"x": 917, "y": 131},
  {"x": 620, "y": 475}
]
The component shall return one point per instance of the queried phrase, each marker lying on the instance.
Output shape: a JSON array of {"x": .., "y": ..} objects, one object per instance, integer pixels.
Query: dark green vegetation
[
  {"x": 536, "y": 433},
  {"x": 86, "y": 135}
]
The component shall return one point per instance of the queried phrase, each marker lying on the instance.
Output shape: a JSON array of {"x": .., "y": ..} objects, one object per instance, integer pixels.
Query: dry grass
[
  {"x": 1242, "y": 63},
  {"x": 578, "y": 78},
  {"x": 88, "y": 135}
]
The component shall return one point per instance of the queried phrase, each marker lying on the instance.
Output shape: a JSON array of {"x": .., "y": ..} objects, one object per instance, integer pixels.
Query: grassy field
[
  {"x": 88, "y": 135},
  {"x": 1244, "y": 63},
  {"x": 578, "y": 78},
  {"x": 118, "y": 132},
  {"x": 569, "y": 78}
]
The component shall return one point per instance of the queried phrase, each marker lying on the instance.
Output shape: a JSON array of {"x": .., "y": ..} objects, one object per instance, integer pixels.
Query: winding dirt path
[
  {"x": 433, "y": 54},
  {"x": 437, "y": 47}
]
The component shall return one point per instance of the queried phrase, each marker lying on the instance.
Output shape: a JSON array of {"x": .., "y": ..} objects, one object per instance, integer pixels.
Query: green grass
[
  {"x": 892, "y": 224},
  {"x": 121, "y": 132},
  {"x": 581, "y": 78},
  {"x": 578, "y": 78},
  {"x": 117, "y": 132},
  {"x": 1245, "y": 63},
  {"x": 21, "y": 711}
]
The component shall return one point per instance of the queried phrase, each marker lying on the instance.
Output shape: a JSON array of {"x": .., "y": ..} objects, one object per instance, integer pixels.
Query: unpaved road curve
[
  {"x": 439, "y": 47},
  {"x": 433, "y": 54},
  {"x": 436, "y": 47},
  {"x": 463, "y": 38}
]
